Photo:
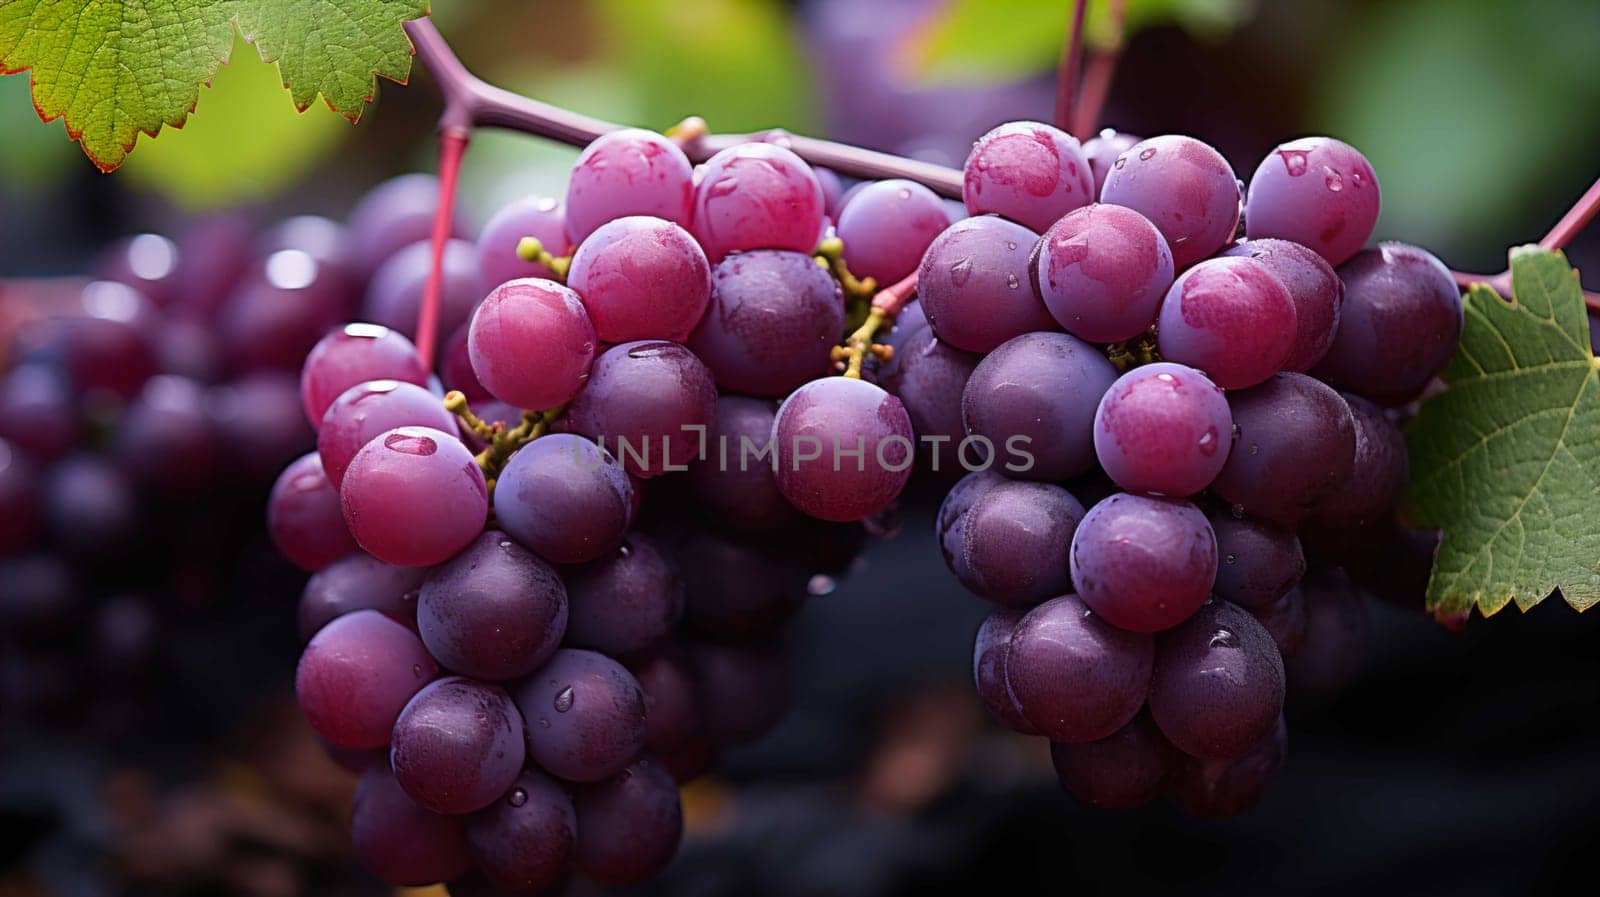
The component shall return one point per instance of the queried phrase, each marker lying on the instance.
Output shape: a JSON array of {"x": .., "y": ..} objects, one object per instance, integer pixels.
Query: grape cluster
[
  {"x": 551, "y": 587},
  {"x": 1187, "y": 395}
]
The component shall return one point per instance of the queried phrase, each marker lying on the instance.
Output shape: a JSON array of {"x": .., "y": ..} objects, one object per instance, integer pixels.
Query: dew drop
[
  {"x": 1231, "y": 559},
  {"x": 624, "y": 550},
  {"x": 1333, "y": 179},
  {"x": 563, "y": 701},
  {"x": 1222, "y": 638},
  {"x": 1147, "y": 154},
  {"x": 1120, "y": 163},
  {"x": 517, "y": 797},
  {"x": 1011, "y": 281},
  {"x": 960, "y": 271},
  {"x": 544, "y": 722},
  {"x": 416, "y": 670}
]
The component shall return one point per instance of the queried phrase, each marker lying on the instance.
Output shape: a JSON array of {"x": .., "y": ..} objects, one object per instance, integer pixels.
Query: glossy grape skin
[
  {"x": 1126, "y": 769},
  {"x": 832, "y": 191},
  {"x": 1219, "y": 683},
  {"x": 584, "y": 714},
  {"x": 743, "y": 689},
  {"x": 815, "y": 428},
  {"x": 494, "y": 611},
  {"x": 672, "y": 707},
  {"x": 37, "y": 412},
  {"x": 261, "y": 422},
  {"x": 147, "y": 263},
  {"x": 1102, "y": 151},
  {"x": 641, "y": 278},
  {"x": 1186, "y": 189},
  {"x": 455, "y": 368},
  {"x": 1229, "y": 317},
  {"x": 757, "y": 196},
  {"x": 888, "y": 226},
  {"x": 989, "y": 650},
  {"x": 772, "y": 323},
  {"x": 736, "y": 588},
  {"x": 1075, "y": 677},
  {"x": 565, "y": 499},
  {"x": 531, "y": 312},
  {"x": 20, "y": 514},
  {"x": 1286, "y": 621},
  {"x": 1399, "y": 327},
  {"x": 1044, "y": 387},
  {"x": 190, "y": 349},
  {"x": 624, "y": 602},
  {"x": 400, "y": 842},
  {"x": 457, "y": 746},
  {"x": 731, "y": 482},
  {"x": 367, "y": 410},
  {"x": 929, "y": 379},
  {"x": 1102, "y": 271},
  {"x": 975, "y": 287},
  {"x": 1294, "y": 444},
  {"x": 1338, "y": 638},
  {"x": 1029, "y": 172},
  {"x": 166, "y": 442},
  {"x": 524, "y": 841},
  {"x": 1014, "y": 542},
  {"x": 394, "y": 294},
  {"x": 304, "y": 516},
  {"x": 1313, "y": 287},
  {"x": 1258, "y": 561},
  {"x": 1213, "y": 789},
  {"x": 630, "y": 824},
  {"x": 359, "y": 582},
  {"x": 279, "y": 311},
  {"x": 356, "y": 675},
  {"x": 327, "y": 241},
  {"x": 1318, "y": 192},
  {"x": 393, "y": 215},
  {"x": 414, "y": 496},
  {"x": 539, "y": 217},
  {"x": 1144, "y": 564},
  {"x": 628, "y": 172},
  {"x": 1163, "y": 429},
  {"x": 1378, "y": 471},
  {"x": 649, "y": 403},
  {"x": 91, "y": 507},
  {"x": 352, "y": 354}
]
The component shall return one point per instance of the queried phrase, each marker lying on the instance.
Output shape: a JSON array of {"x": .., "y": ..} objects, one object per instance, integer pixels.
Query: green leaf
[
  {"x": 116, "y": 68},
  {"x": 1507, "y": 460},
  {"x": 1009, "y": 39}
]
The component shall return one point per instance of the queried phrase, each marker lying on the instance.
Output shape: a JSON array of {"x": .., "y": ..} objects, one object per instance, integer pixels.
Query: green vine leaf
[
  {"x": 114, "y": 69},
  {"x": 1507, "y": 460}
]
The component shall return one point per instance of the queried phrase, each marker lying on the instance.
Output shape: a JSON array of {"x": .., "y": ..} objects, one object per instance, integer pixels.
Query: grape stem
[
  {"x": 830, "y": 255},
  {"x": 886, "y": 306},
  {"x": 1098, "y": 73},
  {"x": 530, "y": 249},
  {"x": 452, "y": 146},
  {"x": 502, "y": 443},
  {"x": 1070, "y": 68},
  {"x": 1576, "y": 218}
]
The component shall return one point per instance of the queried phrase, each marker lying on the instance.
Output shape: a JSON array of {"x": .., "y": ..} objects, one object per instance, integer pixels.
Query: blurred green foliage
[{"x": 36, "y": 155}]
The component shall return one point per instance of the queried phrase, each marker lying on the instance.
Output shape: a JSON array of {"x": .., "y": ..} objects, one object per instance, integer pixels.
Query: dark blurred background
[{"x": 1459, "y": 764}]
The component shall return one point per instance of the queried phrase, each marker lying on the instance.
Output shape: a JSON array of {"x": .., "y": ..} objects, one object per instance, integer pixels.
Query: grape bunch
[
  {"x": 1185, "y": 398},
  {"x": 550, "y": 584}
]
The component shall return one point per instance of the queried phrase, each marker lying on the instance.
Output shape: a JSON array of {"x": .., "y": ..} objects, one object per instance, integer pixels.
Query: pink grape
[
  {"x": 1102, "y": 151},
  {"x": 641, "y": 278},
  {"x": 1231, "y": 318},
  {"x": 628, "y": 172},
  {"x": 394, "y": 294},
  {"x": 366, "y": 410},
  {"x": 304, "y": 517},
  {"x": 395, "y": 214},
  {"x": 356, "y": 675},
  {"x": 539, "y": 217},
  {"x": 1029, "y": 172},
  {"x": 757, "y": 196},
  {"x": 355, "y": 353},
  {"x": 1102, "y": 270},
  {"x": 1186, "y": 189},
  {"x": 1163, "y": 429},
  {"x": 888, "y": 226},
  {"x": 844, "y": 448},
  {"x": 1317, "y": 293},
  {"x": 414, "y": 496},
  {"x": 521, "y": 314},
  {"x": 1318, "y": 192}
]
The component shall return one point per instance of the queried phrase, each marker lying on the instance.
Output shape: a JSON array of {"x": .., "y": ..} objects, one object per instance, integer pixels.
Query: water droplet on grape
[
  {"x": 960, "y": 271},
  {"x": 1333, "y": 179},
  {"x": 517, "y": 797},
  {"x": 1011, "y": 281},
  {"x": 416, "y": 670},
  {"x": 624, "y": 550},
  {"x": 1222, "y": 638},
  {"x": 1231, "y": 559},
  {"x": 820, "y": 584},
  {"x": 564, "y": 699},
  {"x": 544, "y": 722},
  {"x": 1147, "y": 154},
  {"x": 1294, "y": 161}
]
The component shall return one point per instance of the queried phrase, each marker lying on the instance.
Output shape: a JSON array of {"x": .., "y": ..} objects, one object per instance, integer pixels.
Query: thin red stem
[
  {"x": 1069, "y": 70},
  {"x": 1581, "y": 213},
  {"x": 452, "y": 146},
  {"x": 1098, "y": 74},
  {"x": 894, "y": 298}
]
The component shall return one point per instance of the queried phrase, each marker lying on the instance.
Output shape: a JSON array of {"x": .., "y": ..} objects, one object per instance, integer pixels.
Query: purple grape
[
  {"x": 531, "y": 312},
  {"x": 757, "y": 196},
  {"x": 166, "y": 442},
  {"x": 99, "y": 355},
  {"x": 565, "y": 499},
  {"x": 20, "y": 514},
  {"x": 1102, "y": 271},
  {"x": 1294, "y": 444},
  {"x": 929, "y": 378},
  {"x": 525, "y": 840},
  {"x": 1218, "y": 683},
  {"x": 394, "y": 294},
  {"x": 356, "y": 675},
  {"x": 832, "y": 190},
  {"x": 737, "y": 588},
  {"x": 1186, "y": 189},
  {"x": 91, "y": 508},
  {"x": 149, "y": 264},
  {"x": 457, "y": 746},
  {"x": 539, "y": 217},
  {"x": 1378, "y": 471},
  {"x": 584, "y": 714},
  {"x": 1014, "y": 542},
  {"x": 1028, "y": 172},
  {"x": 327, "y": 242},
  {"x": 1318, "y": 192},
  {"x": 989, "y": 650},
  {"x": 414, "y": 496},
  {"x": 1163, "y": 429},
  {"x": 1221, "y": 788},
  {"x": 888, "y": 227},
  {"x": 975, "y": 287},
  {"x": 494, "y": 611},
  {"x": 844, "y": 448},
  {"x": 641, "y": 278},
  {"x": 1313, "y": 287},
  {"x": 631, "y": 824},
  {"x": 743, "y": 690},
  {"x": 1259, "y": 562},
  {"x": 735, "y": 481},
  {"x": 261, "y": 421},
  {"x": 624, "y": 602},
  {"x": 1399, "y": 327},
  {"x": 393, "y": 215},
  {"x": 628, "y": 172},
  {"x": 649, "y": 402},
  {"x": 1229, "y": 317},
  {"x": 1285, "y": 620},
  {"x": 352, "y": 354},
  {"x": 1075, "y": 677},
  {"x": 773, "y": 321},
  {"x": 37, "y": 413},
  {"x": 304, "y": 518},
  {"x": 1034, "y": 399},
  {"x": 359, "y": 582},
  {"x": 455, "y": 367},
  {"x": 400, "y": 842},
  {"x": 950, "y": 522},
  {"x": 1337, "y": 641},
  {"x": 190, "y": 349},
  {"x": 1144, "y": 564},
  {"x": 279, "y": 311},
  {"x": 1102, "y": 151},
  {"x": 367, "y": 410},
  {"x": 1124, "y": 770},
  {"x": 672, "y": 709}
]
